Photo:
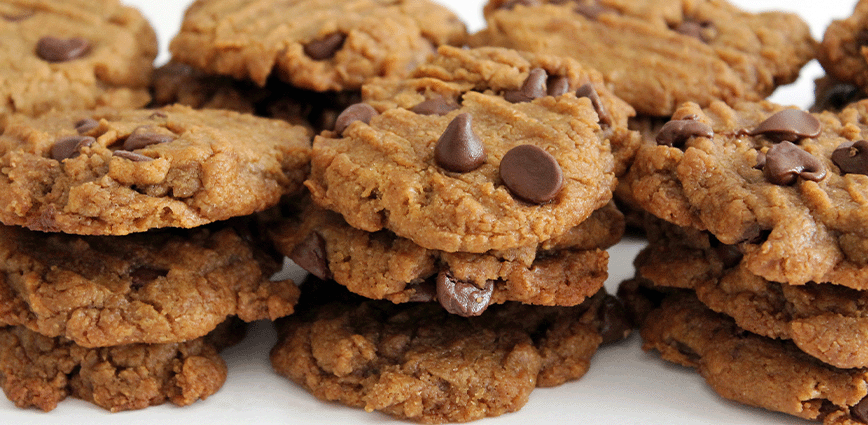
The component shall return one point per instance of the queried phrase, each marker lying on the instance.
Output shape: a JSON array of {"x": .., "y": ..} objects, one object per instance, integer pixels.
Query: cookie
[
  {"x": 415, "y": 361},
  {"x": 155, "y": 287},
  {"x": 313, "y": 44},
  {"x": 39, "y": 371},
  {"x": 841, "y": 51},
  {"x": 112, "y": 172},
  {"x": 795, "y": 210},
  {"x": 657, "y": 54},
  {"x": 833, "y": 95},
  {"x": 561, "y": 271},
  {"x": 754, "y": 370},
  {"x": 460, "y": 179},
  {"x": 69, "y": 55}
]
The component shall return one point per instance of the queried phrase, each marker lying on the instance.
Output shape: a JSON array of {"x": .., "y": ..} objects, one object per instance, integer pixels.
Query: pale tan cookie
[
  {"x": 657, "y": 54},
  {"x": 843, "y": 51},
  {"x": 313, "y": 44},
  {"x": 73, "y": 54},
  {"x": 112, "y": 172}
]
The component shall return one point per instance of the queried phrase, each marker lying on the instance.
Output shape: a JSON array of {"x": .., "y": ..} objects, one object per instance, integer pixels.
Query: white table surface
[{"x": 624, "y": 385}]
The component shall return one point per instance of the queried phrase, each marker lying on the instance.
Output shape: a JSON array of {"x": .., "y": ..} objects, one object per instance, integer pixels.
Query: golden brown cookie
[
  {"x": 842, "y": 51},
  {"x": 313, "y": 44},
  {"x": 73, "y": 54},
  {"x": 112, "y": 172},
  {"x": 658, "y": 54}
]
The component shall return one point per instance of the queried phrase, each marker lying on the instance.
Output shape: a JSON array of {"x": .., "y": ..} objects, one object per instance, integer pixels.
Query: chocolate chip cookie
[
  {"x": 842, "y": 52},
  {"x": 418, "y": 362},
  {"x": 658, "y": 54},
  {"x": 314, "y": 44},
  {"x": 111, "y": 172},
  {"x": 482, "y": 149},
  {"x": 68, "y": 55}
]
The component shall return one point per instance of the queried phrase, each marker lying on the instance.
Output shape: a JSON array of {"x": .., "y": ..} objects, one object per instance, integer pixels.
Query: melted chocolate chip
[
  {"x": 459, "y": 148},
  {"x": 760, "y": 160},
  {"x": 587, "y": 90},
  {"x": 326, "y": 47},
  {"x": 132, "y": 156},
  {"x": 557, "y": 85},
  {"x": 860, "y": 410},
  {"x": 310, "y": 255},
  {"x": 358, "y": 112},
  {"x": 852, "y": 157},
  {"x": 531, "y": 174},
  {"x": 53, "y": 49},
  {"x": 86, "y": 125},
  {"x": 534, "y": 87},
  {"x": 437, "y": 106},
  {"x": 70, "y": 147},
  {"x": 785, "y": 162},
  {"x": 677, "y": 132},
  {"x": 462, "y": 298},
  {"x": 144, "y": 275},
  {"x": 788, "y": 125},
  {"x": 614, "y": 324},
  {"x": 145, "y": 136}
]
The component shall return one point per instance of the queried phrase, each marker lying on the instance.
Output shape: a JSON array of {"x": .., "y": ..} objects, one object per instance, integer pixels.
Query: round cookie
[
  {"x": 111, "y": 172},
  {"x": 313, "y": 44},
  {"x": 842, "y": 53},
  {"x": 415, "y": 361},
  {"x": 73, "y": 55},
  {"x": 658, "y": 54},
  {"x": 389, "y": 172},
  {"x": 155, "y": 287}
]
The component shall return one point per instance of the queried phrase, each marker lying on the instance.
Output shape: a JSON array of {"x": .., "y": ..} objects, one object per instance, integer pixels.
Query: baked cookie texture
[
  {"x": 74, "y": 54},
  {"x": 415, "y": 361},
  {"x": 114, "y": 172},
  {"x": 384, "y": 174},
  {"x": 657, "y": 54},
  {"x": 155, "y": 287},
  {"x": 842, "y": 51},
  {"x": 313, "y": 44}
]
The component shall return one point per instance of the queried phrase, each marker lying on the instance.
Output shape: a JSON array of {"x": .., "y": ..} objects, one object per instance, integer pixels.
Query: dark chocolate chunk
[
  {"x": 531, "y": 174},
  {"x": 358, "y": 112},
  {"x": 534, "y": 87},
  {"x": 437, "y": 106},
  {"x": 462, "y": 298},
  {"x": 310, "y": 255},
  {"x": 326, "y": 47},
  {"x": 53, "y": 49},
  {"x": 86, "y": 125},
  {"x": 557, "y": 85},
  {"x": 132, "y": 156},
  {"x": 70, "y": 147},
  {"x": 859, "y": 411},
  {"x": 785, "y": 162},
  {"x": 587, "y": 90},
  {"x": 459, "y": 148},
  {"x": 143, "y": 275},
  {"x": 788, "y": 125},
  {"x": 677, "y": 132},
  {"x": 615, "y": 325},
  {"x": 852, "y": 157},
  {"x": 145, "y": 136}
]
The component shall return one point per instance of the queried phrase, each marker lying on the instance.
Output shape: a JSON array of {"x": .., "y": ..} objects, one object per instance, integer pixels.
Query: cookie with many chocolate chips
[
  {"x": 68, "y": 55},
  {"x": 111, "y": 172},
  {"x": 155, "y": 287},
  {"x": 842, "y": 51},
  {"x": 658, "y": 54},
  {"x": 449, "y": 163},
  {"x": 313, "y": 44},
  {"x": 418, "y": 362}
]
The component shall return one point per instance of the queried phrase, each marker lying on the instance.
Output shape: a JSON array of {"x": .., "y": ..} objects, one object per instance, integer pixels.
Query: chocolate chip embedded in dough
[
  {"x": 760, "y": 160},
  {"x": 557, "y": 85},
  {"x": 459, "y": 148},
  {"x": 310, "y": 255},
  {"x": 132, "y": 156},
  {"x": 69, "y": 147},
  {"x": 587, "y": 90},
  {"x": 358, "y": 112},
  {"x": 788, "y": 125},
  {"x": 86, "y": 125},
  {"x": 859, "y": 411},
  {"x": 614, "y": 324},
  {"x": 326, "y": 47},
  {"x": 437, "y": 106},
  {"x": 785, "y": 162},
  {"x": 462, "y": 298},
  {"x": 145, "y": 136},
  {"x": 677, "y": 132},
  {"x": 852, "y": 157},
  {"x": 533, "y": 87},
  {"x": 53, "y": 49},
  {"x": 531, "y": 174}
]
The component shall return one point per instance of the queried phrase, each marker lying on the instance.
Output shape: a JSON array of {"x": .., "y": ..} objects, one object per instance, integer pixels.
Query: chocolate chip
[
  {"x": 511, "y": 4},
  {"x": 358, "y": 112},
  {"x": 86, "y": 125},
  {"x": 531, "y": 174},
  {"x": 677, "y": 132},
  {"x": 860, "y": 410},
  {"x": 697, "y": 30},
  {"x": 760, "y": 160},
  {"x": 326, "y": 47},
  {"x": 53, "y": 49},
  {"x": 557, "y": 85},
  {"x": 785, "y": 162},
  {"x": 70, "y": 147},
  {"x": 310, "y": 255},
  {"x": 614, "y": 324},
  {"x": 462, "y": 298},
  {"x": 145, "y": 136},
  {"x": 593, "y": 10},
  {"x": 533, "y": 87},
  {"x": 437, "y": 106},
  {"x": 852, "y": 157},
  {"x": 587, "y": 90},
  {"x": 132, "y": 156},
  {"x": 144, "y": 275},
  {"x": 459, "y": 148},
  {"x": 788, "y": 125}
]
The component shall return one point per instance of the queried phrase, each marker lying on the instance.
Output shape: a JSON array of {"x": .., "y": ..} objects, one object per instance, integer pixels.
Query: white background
[{"x": 624, "y": 385}]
